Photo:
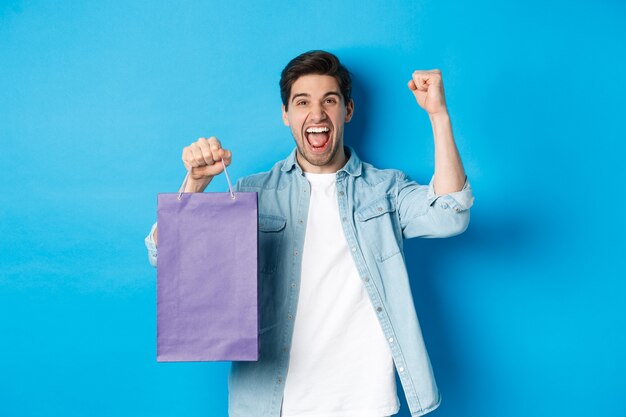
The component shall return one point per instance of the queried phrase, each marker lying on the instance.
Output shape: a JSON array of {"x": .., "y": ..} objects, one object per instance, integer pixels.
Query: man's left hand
[{"x": 427, "y": 87}]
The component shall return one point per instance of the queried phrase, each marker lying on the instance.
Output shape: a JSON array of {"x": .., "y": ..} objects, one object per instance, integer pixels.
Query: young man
[{"x": 336, "y": 308}]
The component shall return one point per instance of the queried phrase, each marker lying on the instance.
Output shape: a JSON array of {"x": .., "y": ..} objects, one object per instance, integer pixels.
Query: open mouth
[{"x": 318, "y": 137}]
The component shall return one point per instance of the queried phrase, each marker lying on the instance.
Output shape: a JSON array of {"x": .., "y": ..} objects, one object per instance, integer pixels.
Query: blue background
[{"x": 523, "y": 314}]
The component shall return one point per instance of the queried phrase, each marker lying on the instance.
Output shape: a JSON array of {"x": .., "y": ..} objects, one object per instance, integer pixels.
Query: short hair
[{"x": 315, "y": 62}]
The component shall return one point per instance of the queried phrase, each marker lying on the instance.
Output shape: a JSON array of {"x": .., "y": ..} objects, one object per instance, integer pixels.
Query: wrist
[
  {"x": 440, "y": 116},
  {"x": 197, "y": 186}
]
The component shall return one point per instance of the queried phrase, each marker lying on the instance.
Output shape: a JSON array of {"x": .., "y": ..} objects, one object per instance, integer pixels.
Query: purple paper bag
[{"x": 207, "y": 282}]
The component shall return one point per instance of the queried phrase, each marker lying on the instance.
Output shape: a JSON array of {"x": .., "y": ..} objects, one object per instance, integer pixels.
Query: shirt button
[
  {"x": 295, "y": 253},
  {"x": 341, "y": 193},
  {"x": 366, "y": 279},
  {"x": 379, "y": 309},
  {"x": 457, "y": 209},
  {"x": 279, "y": 380},
  {"x": 354, "y": 249},
  {"x": 285, "y": 349},
  {"x": 343, "y": 219},
  {"x": 444, "y": 205},
  {"x": 300, "y": 221},
  {"x": 379, "y": 208},
  {"x": 391, "y": 340},
  {"x": 289, "y": 316},
  {"x": 293, "y": 285},
  {"x": 401, "y": 369}
]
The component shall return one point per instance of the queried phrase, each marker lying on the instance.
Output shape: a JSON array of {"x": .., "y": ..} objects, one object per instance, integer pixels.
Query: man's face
[{"x": 316, "y": 115}]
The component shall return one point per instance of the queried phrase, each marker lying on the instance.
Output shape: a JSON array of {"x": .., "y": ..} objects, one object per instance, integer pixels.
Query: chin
[{"x": 320, "y": 160}]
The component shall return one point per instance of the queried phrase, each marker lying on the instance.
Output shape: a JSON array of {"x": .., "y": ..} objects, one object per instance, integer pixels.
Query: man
[{"x": 335, "y": 302}]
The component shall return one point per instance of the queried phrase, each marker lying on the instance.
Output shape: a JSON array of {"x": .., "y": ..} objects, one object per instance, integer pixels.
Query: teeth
[{"x": 317, "y": 130}]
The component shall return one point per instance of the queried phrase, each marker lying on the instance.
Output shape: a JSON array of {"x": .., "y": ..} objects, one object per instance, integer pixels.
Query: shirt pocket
[
  {"x": 271, "y": 231},
  {"x": 378, "y": 223}
]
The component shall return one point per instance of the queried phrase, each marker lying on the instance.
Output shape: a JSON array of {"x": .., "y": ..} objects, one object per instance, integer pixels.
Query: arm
[
  {"x": 425, "y": 214},
  {"x": 201, "y": 161},
  {"x": 427, "y": 87},
  {"x": 423, "y": 211}
]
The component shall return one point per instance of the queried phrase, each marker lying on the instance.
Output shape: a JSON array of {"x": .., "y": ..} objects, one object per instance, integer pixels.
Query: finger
[
  {"x": 201, "y": 172},
  {"x": 214, "y": 142},
  {"x": 412, "y": 85},
  {"x": 419, "y": 79},
  {"x": 216, "y": 149},
  {"x": 203, "y": 144},
  {"x": 430, "y": 76},
  {"x": 427, "y": 72},
  {"x": 423, "y": 79},
  {"x": 198, "y": 157},
  {"x": 227, "y": 157},
  {"x": 434, "y": 76},
  {"x": 188, "y": 159}
]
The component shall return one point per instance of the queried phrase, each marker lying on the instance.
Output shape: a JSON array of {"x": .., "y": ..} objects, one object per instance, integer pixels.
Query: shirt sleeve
[
  {"x": 423, "y": 213},
  {"x": 237, "y": 185},
  {"x": 151, "y": 246}
]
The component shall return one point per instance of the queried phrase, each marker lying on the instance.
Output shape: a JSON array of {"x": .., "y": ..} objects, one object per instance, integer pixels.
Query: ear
[
  {"x": 285, "y": 118},
  {"x": 349, "y": 110}
]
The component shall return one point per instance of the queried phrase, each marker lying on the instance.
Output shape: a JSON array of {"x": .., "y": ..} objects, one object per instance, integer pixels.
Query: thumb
[{"x": 227, "y": 156}]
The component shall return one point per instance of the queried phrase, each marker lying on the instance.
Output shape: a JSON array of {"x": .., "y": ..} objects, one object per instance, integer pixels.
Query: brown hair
[{"x": 315, "y": 62}]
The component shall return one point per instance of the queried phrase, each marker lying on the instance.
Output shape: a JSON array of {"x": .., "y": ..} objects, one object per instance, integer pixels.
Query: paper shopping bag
[{"x": 207, "y": 285}]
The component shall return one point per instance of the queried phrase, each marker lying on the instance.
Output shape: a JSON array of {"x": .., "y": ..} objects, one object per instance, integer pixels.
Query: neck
[{"x": 331, "y": 167}]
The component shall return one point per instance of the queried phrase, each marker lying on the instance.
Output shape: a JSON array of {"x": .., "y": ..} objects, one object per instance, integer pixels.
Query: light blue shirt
[{"x": 378, "y": 209}]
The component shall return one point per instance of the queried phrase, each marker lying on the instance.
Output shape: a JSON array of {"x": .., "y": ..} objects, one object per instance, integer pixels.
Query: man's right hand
[{"x": 204, "y": 158}]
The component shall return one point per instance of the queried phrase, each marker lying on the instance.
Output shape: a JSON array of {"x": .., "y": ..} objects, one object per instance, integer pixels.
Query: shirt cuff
[
  {"x": 458, "y": 200},
  {"x": 149, "y": 240}
]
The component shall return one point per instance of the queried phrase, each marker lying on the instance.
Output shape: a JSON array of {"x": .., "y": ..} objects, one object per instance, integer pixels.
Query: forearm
[
  {"x": 449, "y": 172},
  {"x": 196, "y": 186}
]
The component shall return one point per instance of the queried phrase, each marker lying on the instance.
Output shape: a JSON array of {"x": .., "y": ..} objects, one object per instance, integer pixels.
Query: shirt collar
[{"x": 352, "y": 167}]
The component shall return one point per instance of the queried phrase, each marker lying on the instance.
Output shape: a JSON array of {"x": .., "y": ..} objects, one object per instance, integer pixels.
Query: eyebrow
[{"x": 330, "y": 93}]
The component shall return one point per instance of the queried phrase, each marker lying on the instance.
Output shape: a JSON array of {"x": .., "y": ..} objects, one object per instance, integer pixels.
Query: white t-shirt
[{"x": 340, "y": 363}]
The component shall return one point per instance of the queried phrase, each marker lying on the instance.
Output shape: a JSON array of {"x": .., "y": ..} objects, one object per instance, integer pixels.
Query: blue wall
[{"x": 523, "y": 314}]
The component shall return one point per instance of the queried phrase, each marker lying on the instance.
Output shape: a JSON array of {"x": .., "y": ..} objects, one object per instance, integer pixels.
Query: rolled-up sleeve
[
  {"x": 423, "y": 213},
  {"x": 151, "y": 246}
]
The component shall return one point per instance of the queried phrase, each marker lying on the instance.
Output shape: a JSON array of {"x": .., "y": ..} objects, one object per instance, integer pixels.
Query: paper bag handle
[{"x": 230, "y": 186}]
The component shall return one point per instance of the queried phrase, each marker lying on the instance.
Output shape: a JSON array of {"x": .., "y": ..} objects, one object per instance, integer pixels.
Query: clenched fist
[
  {"x": 204, "y": 158},
  {"x": 427, "y": 87}
]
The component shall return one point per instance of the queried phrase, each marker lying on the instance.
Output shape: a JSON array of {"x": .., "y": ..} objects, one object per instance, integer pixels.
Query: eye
[
  {"x": 331, "y": 100},
  {"x": 301, "y": 103}
]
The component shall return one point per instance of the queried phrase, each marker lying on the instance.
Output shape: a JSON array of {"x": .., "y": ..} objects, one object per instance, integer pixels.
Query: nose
[{"x": 317, "y": 113}]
